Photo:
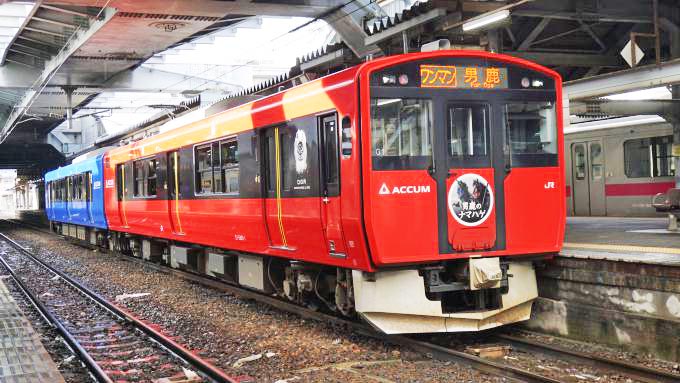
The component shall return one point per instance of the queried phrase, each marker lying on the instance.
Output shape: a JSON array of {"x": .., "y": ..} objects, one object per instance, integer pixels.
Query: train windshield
[
  {"x": 531, "y": 131},
  {"x": 401, "y": 131}
]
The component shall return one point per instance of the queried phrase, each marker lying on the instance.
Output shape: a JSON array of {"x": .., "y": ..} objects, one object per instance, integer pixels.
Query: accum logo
[{"x": 408, "y": 189}]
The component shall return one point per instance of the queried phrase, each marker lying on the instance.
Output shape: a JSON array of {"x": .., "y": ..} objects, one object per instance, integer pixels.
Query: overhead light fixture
[{"x": 486, "y": 20}]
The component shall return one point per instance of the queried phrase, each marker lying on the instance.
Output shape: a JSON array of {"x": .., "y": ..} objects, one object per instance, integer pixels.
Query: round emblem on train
[
  {"x": 470, "y": 199},
  {"x": 300, "y": 149}
]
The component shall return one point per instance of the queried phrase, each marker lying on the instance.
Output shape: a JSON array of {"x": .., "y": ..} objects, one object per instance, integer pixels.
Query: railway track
[
  {"x": 114, "y": 345},
  {"x": 439, "y": 351}
]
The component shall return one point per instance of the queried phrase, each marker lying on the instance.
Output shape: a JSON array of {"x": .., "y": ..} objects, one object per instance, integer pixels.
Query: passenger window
[
  {"x": 151, "y": 178},
  {"x": 649, "y": 157},
  {"x": 401, "y": 131},
  {"x": 138, "y": 175},
  {"x": 230, "y": 170},
  {"x": 144, "y": 174},
  {"x": 217, "y": 168},
  {"x": 531, "y": 130},
  {"x": 596, "y": 166},
  {"x": 204, "y": 180},
  {"x": 270, "y": 151},
  {"x": 287, "y": 149},
  {"x": 580, "y": 161}
]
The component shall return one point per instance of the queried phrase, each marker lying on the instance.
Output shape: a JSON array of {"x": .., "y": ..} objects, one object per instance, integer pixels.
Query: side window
[
  {"x": 151, "y": 177},
  {"x": 144, "y": 174},
  {"x": 649, "y": 157},
  {"x": 204, "y": 179},
  {"x": 270, "y": 152},
  {"x": 229, "y": 166},
  {"x": 580, "y": 161},
  {"x": 83, "y": 186},
  {"x": 69, "y": 189},
  {"x": 89, "y": 186},
  {"x": 287, "y": 149},
  {"x": 138, "y": 176},
  {"x": 217, "y": 168}
]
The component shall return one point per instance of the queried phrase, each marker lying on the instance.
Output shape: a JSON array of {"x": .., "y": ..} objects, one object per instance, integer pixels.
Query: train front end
[{"x": 463, "y": 189}]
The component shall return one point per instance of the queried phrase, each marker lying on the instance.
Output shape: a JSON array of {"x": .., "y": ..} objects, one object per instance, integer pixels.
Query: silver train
[{"x": 614, "y": 167}]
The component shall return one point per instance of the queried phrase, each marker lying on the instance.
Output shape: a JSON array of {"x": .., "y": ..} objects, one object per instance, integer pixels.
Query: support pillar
[
  {"x": 69, "y": 106},
  {"x": 493, "y": 38}
]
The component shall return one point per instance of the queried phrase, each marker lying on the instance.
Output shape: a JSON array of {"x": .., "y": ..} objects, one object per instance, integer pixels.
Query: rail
[
  {"x": 642, "y": 373},
  {"x": 201, "y": 365}
]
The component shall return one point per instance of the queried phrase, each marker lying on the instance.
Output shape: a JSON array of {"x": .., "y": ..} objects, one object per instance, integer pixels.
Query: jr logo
[{"x": 549, "y": 185}]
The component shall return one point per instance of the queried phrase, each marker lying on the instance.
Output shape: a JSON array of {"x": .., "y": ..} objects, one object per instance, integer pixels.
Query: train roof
[
  {"x": 304, "y": 99},
  {"x": 88, "y": 164},
  {"x": 611, "y": 123}
]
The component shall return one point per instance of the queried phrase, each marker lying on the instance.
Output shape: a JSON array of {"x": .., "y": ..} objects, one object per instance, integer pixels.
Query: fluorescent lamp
[{"x": 486, "y": 20}]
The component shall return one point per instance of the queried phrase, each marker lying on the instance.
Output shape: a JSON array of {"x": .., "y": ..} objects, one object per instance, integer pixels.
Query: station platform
[
  {"x": 625, "y": 239},
  {"x": 23, "y": 359},
  {"x": 616, "y": 282}
]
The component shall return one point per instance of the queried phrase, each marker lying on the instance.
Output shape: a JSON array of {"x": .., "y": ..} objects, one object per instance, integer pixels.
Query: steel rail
[
  {"x": 91, "y": 365},
  {"x": 195, "y": 361},
  {"x": 636, "y": 371},
  {"x": 643, "y": 373},
  {"x": 440, "y": 352}
]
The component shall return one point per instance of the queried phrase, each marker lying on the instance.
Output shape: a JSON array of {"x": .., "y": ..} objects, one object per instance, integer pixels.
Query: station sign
[{"x": 463, "y": 77}]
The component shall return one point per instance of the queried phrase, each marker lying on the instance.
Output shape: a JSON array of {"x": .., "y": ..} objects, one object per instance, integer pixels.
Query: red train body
[{"x": 415, "y": 189}]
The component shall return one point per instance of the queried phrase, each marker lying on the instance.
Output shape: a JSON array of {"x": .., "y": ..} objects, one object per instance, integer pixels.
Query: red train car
[{"x": 415, "y": 190}]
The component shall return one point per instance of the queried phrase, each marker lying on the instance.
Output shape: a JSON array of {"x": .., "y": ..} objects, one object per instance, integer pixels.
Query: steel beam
[
  {"x": 405, "y": 26},
  {"x": 79, "y": 38},
  {"x": 642, "y": 77},
  {"x": 570, "y": 59},
  {"x": 602, "y": 16},
  {"x": 533, "y": 34}
]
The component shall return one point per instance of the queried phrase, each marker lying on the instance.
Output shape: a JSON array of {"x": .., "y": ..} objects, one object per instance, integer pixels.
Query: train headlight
[
  {"x": 389, "y": 79},
  {"x": 537, "y": 83},
  {"x": 525, "y": 82},
  {"x": 403, "y": 79}
]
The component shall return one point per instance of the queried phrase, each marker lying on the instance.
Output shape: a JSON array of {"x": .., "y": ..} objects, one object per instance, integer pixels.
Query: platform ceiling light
[
  {"x": 12, "y": 17},
  {"x": 485, "y": 20}
]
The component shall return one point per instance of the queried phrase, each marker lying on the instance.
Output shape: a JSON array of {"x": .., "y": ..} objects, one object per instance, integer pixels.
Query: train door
[
  {"x": 88, "y": 196},
  {"x": 272, "y": 187},
  {"x": 467, "y": 165},
  {"x": 588, "y": 178},
  {"x": 174, "y": 192},
  {"x": 330, "y": 185},
  {"x": 121, "y": 192}
]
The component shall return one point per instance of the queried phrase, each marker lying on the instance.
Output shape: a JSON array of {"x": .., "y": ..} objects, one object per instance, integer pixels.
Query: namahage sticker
[{"x": 470, "y": 199}]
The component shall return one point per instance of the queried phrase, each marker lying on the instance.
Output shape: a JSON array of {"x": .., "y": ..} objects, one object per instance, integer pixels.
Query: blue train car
[{"x": 74, "y": 199}]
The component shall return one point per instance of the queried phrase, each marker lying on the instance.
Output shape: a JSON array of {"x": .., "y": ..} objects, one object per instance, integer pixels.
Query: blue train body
[{"x": 75, "y": 194}]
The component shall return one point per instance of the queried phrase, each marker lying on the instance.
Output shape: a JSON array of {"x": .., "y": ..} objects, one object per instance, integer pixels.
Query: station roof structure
[{"x": 86, "y": 47}]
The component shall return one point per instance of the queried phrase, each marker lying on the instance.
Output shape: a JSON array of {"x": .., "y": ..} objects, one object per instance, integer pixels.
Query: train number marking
[
  {"x": 549, "y": 185},
  {"x": 408, "y": 189}
]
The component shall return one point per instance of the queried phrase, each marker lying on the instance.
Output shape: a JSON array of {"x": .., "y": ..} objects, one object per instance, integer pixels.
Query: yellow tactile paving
[{"x": 627, "y": 248}]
